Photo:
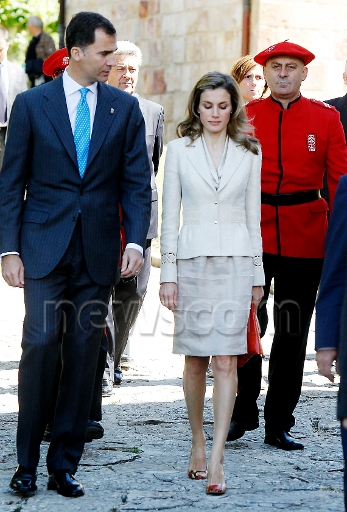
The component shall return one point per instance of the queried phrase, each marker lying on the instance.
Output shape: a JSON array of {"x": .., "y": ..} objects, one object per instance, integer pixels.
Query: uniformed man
[{"x": 300, "y": 139}]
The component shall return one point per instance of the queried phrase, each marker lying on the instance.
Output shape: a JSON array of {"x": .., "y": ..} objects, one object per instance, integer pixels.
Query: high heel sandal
[
  {"x": 197, "y": 475},
  {"x": 216, "y": 488}
]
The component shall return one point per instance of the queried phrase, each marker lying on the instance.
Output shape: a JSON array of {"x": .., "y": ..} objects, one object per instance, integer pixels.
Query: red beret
[
  {"x": 285, "y": 48},
  {"x": 58, "y": 60}
]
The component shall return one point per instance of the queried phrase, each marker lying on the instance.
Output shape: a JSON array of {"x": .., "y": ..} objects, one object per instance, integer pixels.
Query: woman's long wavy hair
[{"x": 238, "y": 128}]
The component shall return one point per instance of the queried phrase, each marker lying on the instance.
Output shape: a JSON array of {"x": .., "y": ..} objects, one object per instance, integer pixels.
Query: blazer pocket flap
[
  {"x": 319, "y": 206},
  {"x": 35, "y": 216}
]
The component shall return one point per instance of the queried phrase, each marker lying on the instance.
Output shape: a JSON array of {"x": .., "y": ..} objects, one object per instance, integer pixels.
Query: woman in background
[
  {"x": 211, "y": 268},
  {"x": 250, "y": 77}
]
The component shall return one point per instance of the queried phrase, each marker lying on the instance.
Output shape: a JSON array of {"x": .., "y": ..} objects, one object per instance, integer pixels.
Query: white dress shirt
[{"x": 73, "y": 96}]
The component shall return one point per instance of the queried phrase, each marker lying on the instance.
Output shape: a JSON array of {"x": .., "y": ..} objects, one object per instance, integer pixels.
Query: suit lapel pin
[{"x": 112, "y": 111}]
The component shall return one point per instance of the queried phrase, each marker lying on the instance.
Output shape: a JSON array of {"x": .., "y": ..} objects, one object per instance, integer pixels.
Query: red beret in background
[
  {"x": 285, "y": 48},
  {"x": 58, "y": 60}
]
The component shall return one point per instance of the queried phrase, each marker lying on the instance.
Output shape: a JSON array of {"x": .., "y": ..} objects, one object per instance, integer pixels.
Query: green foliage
[
  {"x": 133, "y": 450},
  {"x": 14, "y": 15}
]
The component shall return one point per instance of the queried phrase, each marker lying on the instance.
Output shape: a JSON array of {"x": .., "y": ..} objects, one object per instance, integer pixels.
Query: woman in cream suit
[{"x": 212, "y": 266}]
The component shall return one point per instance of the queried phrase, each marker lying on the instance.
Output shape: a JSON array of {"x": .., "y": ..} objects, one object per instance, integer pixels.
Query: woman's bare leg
[
  {"x": 224, "y": 393},
  {"x": 194, "y": 387}
]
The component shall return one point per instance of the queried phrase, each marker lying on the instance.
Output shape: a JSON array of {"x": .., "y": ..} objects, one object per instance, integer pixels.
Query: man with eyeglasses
[
  {"x": 12, "y": 82},
  {"x": 128, "y": 296}
]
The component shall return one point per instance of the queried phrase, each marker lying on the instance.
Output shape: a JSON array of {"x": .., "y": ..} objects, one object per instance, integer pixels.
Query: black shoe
[
  {"x": 236, "y": 431},
  {"x": 107, "y": 387},
  {"x": 118, "y": 376},
  {"x": 47, "y": 436},
  {"x": 63, "y": 481},
  {"x": 24, "y": 481},
  {"x": 94, "y": 431},
  {"x": 283, "y": 440}
]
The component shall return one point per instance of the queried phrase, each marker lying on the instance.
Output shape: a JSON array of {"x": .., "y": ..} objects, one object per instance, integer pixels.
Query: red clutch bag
[{"x": 254, "y": 346}]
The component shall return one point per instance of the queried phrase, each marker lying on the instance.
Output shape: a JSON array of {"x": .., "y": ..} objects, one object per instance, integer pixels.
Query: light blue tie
[{"x": 82, "y": 131}]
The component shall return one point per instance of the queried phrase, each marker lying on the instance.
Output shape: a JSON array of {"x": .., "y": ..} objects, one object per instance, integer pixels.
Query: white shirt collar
[{"x": 70, "y": 86}]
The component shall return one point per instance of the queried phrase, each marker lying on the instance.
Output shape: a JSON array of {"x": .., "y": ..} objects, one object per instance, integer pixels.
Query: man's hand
[
  {"x": 325, "y": 359},
  {"x": 132, "y": 263},
  {"x": 13, "y": 270},
  {"x": 168, "y": 295}
]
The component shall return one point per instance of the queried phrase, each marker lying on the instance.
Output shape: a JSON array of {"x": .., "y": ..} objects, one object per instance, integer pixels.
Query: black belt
[
  {"x": 290, "y": 199},
  {"x": 3, "y": 128}
]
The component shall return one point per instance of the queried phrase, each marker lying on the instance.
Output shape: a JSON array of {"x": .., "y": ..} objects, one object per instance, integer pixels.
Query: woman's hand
[
  {"x": 257, "y": 295},
  {"x": 168, "y": 295}
]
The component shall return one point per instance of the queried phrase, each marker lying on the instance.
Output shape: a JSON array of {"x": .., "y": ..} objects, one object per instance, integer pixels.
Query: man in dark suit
[
  {"x": 331, "y": 309},
  {"x": 60, "y": 186},
  {"x": 127, "y": 297},
  {"x": 12, "y": 82},
  {"x": 341, "y": 104}
]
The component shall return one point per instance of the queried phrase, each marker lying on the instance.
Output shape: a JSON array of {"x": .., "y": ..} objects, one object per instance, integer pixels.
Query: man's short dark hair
[{"x": 81, "y": 29}]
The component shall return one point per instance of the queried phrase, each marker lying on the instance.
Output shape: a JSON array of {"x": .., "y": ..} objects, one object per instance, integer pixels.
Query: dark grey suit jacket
[
  {"x": 153, "y": 114},
  {"x": 341, "y": 105},
  {"x": 42, "y": 193}
]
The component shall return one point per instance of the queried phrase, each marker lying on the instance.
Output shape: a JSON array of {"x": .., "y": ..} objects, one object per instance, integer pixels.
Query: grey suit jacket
[
  {"x": 153, "y": 114},
  {"x": 17, "y": 83}
]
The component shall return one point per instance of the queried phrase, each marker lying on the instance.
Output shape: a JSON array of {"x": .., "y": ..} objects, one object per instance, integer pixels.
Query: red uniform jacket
[{"x": 299, "y": 144}]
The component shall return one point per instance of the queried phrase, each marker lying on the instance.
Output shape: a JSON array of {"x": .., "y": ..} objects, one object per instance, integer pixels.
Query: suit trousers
[
  {"x": 344, "y": 448},
  {"x": 296, "y": 283},
  {"x": 64, "y": 318},
  {"x": 124, "y": 306}
]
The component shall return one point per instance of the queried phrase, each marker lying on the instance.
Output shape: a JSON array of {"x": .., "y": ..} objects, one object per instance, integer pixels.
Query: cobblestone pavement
[{"x": 141, "y": 463}]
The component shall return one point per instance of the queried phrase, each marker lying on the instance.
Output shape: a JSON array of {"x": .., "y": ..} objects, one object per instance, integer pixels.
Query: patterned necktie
[
  {"x": 3, "y": 102},
  {"x": 82, "y": 131}
]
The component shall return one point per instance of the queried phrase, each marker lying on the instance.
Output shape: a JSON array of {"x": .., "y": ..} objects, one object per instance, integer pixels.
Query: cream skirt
[{"x": 214, "y": 298}]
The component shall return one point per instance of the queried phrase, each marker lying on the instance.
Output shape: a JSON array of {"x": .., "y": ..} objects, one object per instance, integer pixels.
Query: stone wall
[
  {"x": 183, "y": 39},
  {"x": 180, "y": 40}
]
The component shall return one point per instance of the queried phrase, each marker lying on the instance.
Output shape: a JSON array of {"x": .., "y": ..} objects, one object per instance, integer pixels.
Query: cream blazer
[{"x": 223, "y": 222}]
